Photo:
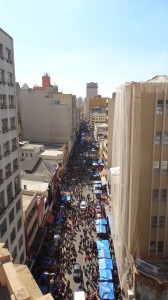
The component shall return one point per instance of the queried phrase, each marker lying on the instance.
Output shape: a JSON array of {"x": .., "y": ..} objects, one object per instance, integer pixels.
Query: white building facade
[{"x": 11, "y": 211}]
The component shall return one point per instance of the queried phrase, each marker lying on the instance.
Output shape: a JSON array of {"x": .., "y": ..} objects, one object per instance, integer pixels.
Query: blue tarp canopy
[
  {"x": 65, "y": 198},
  {"x": 97, "y": 185},
  {"x": 104, "y": 253},
  {"x": 98, "y": 191},
  {"x": 105, "y": 263},
  {"x": 105, "y": 275},
  {"x": 106, "y": 290},
  {"x": 102, "y": 244},
  {"x": 101, "y": 221},
  {"x": 100, "y": 229}
]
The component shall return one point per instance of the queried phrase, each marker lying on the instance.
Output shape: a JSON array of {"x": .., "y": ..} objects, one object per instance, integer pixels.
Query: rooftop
[
  {"x": 26, "y": 200},
  {"x": 31, "y": 146},
  {"x": 57, "y": 154}
]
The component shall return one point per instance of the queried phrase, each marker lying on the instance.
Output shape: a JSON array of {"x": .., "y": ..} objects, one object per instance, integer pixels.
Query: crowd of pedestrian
[{"x": 60, "y": 251}]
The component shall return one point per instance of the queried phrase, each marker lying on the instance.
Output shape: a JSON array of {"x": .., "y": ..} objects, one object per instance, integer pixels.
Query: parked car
[
  {"x": 83, "y": 204},
  {"x": 77, "y": 273}
]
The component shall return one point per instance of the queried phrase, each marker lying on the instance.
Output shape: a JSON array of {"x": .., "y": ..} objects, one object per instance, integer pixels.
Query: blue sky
[{"x": 78, "y": 41}]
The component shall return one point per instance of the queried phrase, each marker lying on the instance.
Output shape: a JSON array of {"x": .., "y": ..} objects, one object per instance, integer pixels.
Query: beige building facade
[
  {"x": 11, "y": 211},
  {"x": 48, "y": 116},
  {"x": 92, "y": 103},
  {"x": 139, "y": 196}
]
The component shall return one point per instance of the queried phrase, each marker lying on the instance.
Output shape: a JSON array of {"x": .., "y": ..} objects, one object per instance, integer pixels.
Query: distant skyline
[{"x": 78, "y": 41}]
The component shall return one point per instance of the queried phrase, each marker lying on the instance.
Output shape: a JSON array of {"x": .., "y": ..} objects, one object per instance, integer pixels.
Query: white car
[{"x": 83, "y": 204}]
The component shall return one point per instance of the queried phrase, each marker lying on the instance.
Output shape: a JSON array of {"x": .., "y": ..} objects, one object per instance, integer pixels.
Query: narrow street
[{"x": 71, "y": 237}]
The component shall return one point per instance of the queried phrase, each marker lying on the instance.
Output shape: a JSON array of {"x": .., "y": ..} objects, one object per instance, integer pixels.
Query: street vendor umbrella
[
  {"x": 105, "y": 263},
  {"x": 104, "y": 253},
  {"x": 101, "y": 221},
  {"x": 57, "y": 236},
  {"x": 106, "y": 290},
  {"x": 105, "y": 275},
  {"x": 102, "y": 244},
  {"x": 100, "y": 229}
]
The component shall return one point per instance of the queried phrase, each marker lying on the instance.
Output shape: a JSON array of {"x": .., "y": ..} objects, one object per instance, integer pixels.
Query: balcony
[
  {"x": 4, "y": 130},
  {"x": 8, "y": 174},
  {"x": 12, "y": 106},
  {"x": 3, "y": 106},
  {"x": 14, "y": 148},
  {"x": 15, "y": 168},
  {"x": 7, "y": 152}
]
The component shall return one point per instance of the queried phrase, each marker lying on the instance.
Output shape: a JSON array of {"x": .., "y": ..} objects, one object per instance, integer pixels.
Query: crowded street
[{"x": 78, "y": 241}]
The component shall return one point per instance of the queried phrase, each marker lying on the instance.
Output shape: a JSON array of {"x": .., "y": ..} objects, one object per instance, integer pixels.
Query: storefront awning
[
  {"x": 50, "y": 218},
  {"x": 38, "y": 240},
  {"x": 103, "y": 180}
]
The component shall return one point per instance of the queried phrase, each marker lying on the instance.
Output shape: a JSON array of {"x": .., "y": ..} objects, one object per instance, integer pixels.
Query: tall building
[
  {"x": 91, "y": 89},
  {"x": 48, "y": 116},
  {"x": 11, "y": 211},
  {"x": 140, "y": 187},
  {"x": 92, "y": 103}
]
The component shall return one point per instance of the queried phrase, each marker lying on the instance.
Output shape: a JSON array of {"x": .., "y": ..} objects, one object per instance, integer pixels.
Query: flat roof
[
  {"x": 35, "y": 185},
  {"x": 26, "y": 200},
  {"x": 52, "y": 153},
  {"x": 31, "y": 146}
]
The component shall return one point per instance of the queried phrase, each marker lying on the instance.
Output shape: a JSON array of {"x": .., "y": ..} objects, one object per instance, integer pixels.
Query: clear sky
[{"x": 78, "y": 41}]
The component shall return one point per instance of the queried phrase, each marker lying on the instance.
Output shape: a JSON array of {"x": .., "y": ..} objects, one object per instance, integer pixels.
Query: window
[
  {"x": 6, "y": 147},
  {"x": 12, "y": 123},
  {"x": 31, "y": 214},
  {"x": 15, "y": 164},
  {"x": 158, "y": 138},
  {"x": 14, "y": 253},
  {"x": 165, "y": 138},
  {"x": 1, "y": 51},
  {"x": 11, "y": 101},
  {"x": 19, "y": 224},
  {"x": 154, "y": 221},
  {"x": 20, "y": 242},
  {"x": 162, "y": 221},
  {"x": 1, "y": 176},
  {"x": 9, "y": 78},
  {"x": 12, "y": 235},
  {"x": 18, "y": 206},
  {"x": 17, "y": 184},
  {"x": 166, "y": 107},
  {"x": 155, "y": 194},
  {"x": 8, "y": 170},
  {"x": 156, "y": 166},
  {"x": 2, "y": 201},
  {"x": 4, "y": 125},
  {"x": 3, "y": 228},
  {"x": 7, "y": 54},
  {"x": 3, "y": 101},
  {"x": 22, "y": 154},
  {"x": 32, "y": 229},
  {"x": 163, "y": 194},
  {"x": 11, "y": 216},
  {"x": 152, "y": 247},
  {"x": 164, "y": 167},
  {"x": 160, "y": 105},
  {"x": 14, "y": 144},
  {"x": 160, "y": 247},
  {"x": 2, "y": 76},
  {"x": 9, "y": 193}
]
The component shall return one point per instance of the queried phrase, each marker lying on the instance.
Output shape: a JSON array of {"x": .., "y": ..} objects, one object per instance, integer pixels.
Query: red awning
[{"x": 50, "y": 218}]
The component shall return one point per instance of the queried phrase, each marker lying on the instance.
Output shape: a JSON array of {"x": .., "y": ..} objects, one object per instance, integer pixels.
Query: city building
[
  {"x": 49, "y": 116},
  {"x": 16, "y": 281},
  {"x": 139, "y": 193},
  {"x": 110, "y": 109},
  {"x": 100, "y": 131},
  {"x": 93, "y": 103},
  {"x": 34, "y": 216},
  {"x": 97, "y": 115},
  {"x": 55, "y": 157},
  {"x": 11, "y": 210},
  {"x": 91, "y": 90},
  {"x": 28, "y": 150}
]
